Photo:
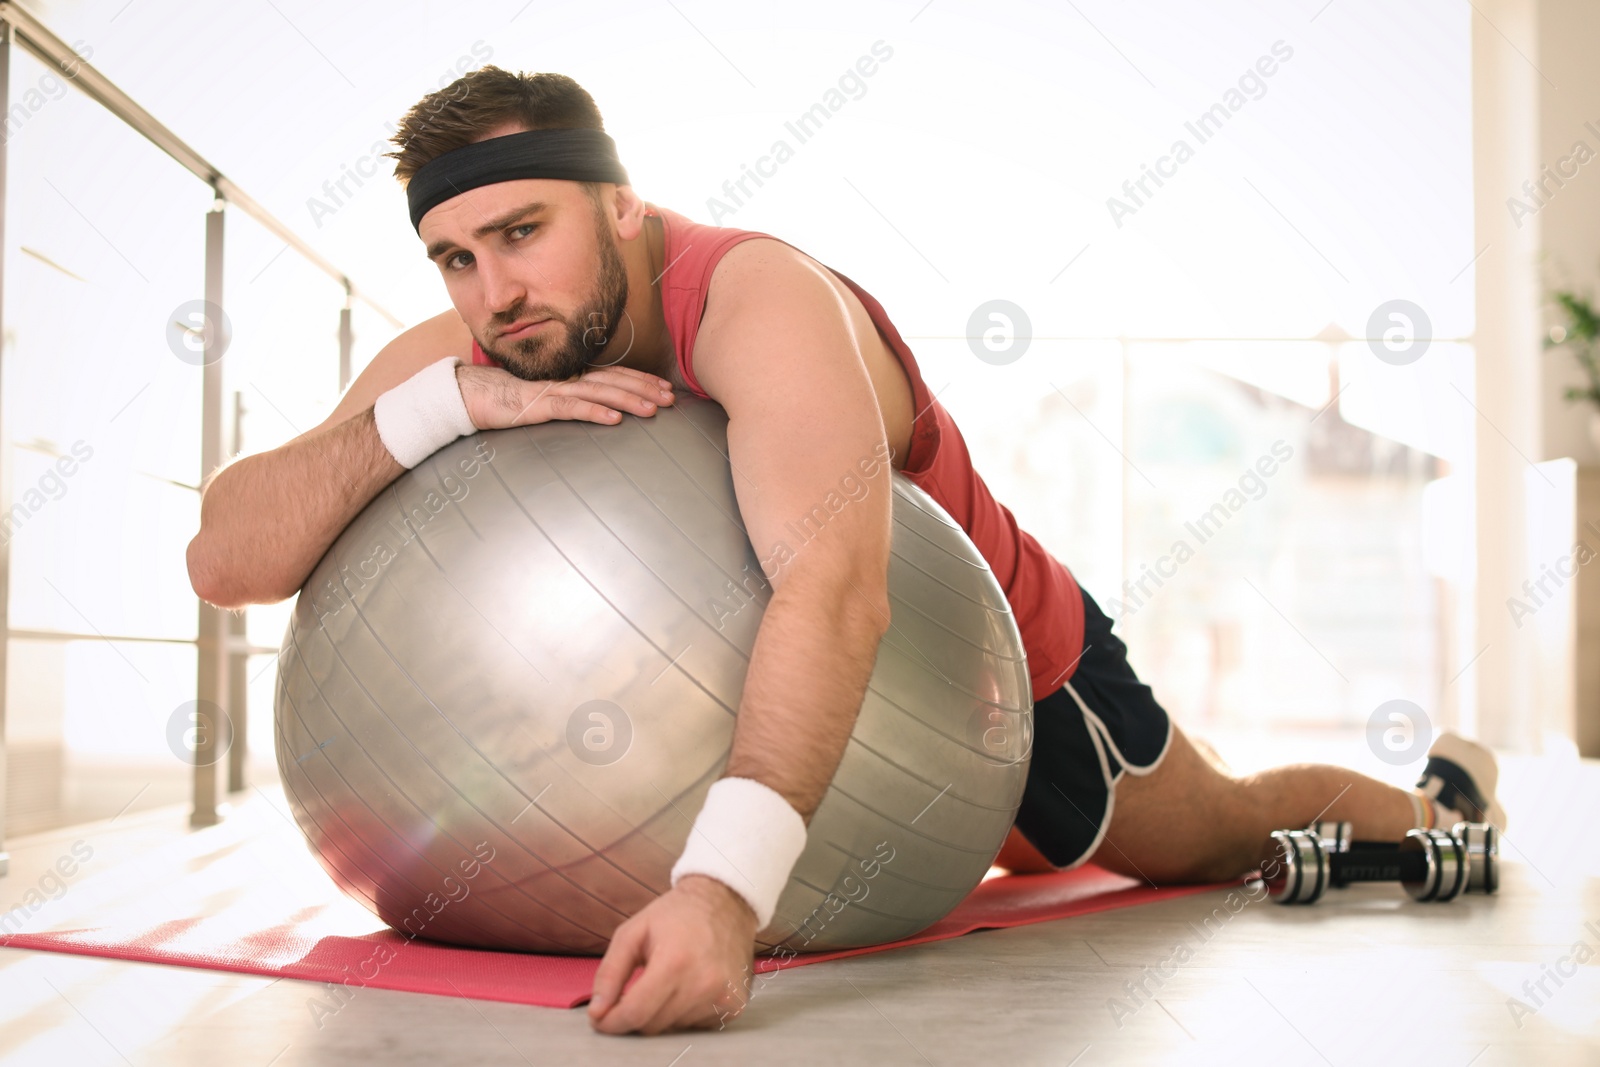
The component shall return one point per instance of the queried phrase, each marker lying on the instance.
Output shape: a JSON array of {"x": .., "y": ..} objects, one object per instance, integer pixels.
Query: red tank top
[{"x": 1042, "y": 592}]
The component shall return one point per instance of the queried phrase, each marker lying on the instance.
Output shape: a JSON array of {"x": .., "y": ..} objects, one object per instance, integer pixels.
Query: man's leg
[
  {"x": 1189, "y": 821},
  {"x": 1177, "y": 815}
]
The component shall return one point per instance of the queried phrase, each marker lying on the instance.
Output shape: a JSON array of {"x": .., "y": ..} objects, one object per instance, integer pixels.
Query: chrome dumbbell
[
  {"x": 1432, "y": 865},
  {"x": 1479, "y": 839}
]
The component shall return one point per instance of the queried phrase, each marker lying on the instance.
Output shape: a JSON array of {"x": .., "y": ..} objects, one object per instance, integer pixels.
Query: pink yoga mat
[{"x": 290, "y": 946}]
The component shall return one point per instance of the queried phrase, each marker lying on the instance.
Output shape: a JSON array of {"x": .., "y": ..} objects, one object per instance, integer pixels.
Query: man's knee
[{"x": 1186, "y": 821}]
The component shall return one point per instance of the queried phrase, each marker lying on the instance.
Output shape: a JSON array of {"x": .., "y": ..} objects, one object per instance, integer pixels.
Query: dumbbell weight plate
[
  {"x": 1336, "y": 836},
  {"x": 1482, "y": 842},
  {"x": 1299, "y": 874},
  {"x": 1443, "y": 873}
]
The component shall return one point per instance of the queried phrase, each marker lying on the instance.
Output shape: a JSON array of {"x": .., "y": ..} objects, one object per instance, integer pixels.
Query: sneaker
[{"x": 1460, "y": 777}]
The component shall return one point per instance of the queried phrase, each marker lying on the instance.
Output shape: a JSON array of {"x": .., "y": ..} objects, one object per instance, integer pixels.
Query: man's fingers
[
  {"x": 581, "y": 399},
  {"x": 626, "y": 373},
  {"x": 630, "y": 377},
  {"x": 631, "y": 383},
  {"x": 643, "y": 1000},
  {"x": 622, "y": 955},
  {"x": 698, "y": 1002},
  {"x": 496, "y": 399},
  {"x": 616, "y": 396},
  {"x": 567, "y": 405},
  {"x": 691, "y": 1009}
]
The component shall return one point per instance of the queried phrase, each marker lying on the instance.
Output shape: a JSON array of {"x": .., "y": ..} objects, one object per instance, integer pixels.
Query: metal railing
[{"x": 220, "y": 642}]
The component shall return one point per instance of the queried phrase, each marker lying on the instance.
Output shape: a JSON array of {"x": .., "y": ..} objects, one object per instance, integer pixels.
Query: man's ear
[{"x": 628, "y": 211}]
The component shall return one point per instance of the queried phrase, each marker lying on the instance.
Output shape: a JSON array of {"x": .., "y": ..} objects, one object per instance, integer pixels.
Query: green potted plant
[{"x": 1580, "y": 335}]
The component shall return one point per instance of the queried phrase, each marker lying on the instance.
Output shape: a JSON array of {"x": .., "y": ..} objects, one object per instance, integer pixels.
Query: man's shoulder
[
  {"x": 763, "y": 297},
  {"x": 763, "y": 278},
  {"x": 758, "y": 251},
  {"x": 760, "y": 270}
]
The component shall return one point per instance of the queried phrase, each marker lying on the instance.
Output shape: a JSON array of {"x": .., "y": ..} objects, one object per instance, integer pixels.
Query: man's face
[{"x": 533, "y": 268}]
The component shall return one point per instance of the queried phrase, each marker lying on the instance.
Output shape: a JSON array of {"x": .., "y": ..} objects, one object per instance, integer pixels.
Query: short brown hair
[{"x": 481, "y": 100}]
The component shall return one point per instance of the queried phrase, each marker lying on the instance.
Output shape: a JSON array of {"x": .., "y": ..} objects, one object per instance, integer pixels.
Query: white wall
[
  {"x": 1535, "y": 85},
  {"x": 1568, "y": 224}
]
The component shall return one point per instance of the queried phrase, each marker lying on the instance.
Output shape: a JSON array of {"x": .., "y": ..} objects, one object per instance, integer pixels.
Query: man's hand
[
  {"x": 696, "y": 944},
  {"x": 496, "y": 398}
]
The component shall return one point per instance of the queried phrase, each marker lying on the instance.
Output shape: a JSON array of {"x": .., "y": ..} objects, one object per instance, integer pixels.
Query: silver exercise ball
[{"x": 508, "y": 685}]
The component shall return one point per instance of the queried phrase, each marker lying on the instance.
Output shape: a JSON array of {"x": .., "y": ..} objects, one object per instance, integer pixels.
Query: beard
[{"x": 564, "y": 354}]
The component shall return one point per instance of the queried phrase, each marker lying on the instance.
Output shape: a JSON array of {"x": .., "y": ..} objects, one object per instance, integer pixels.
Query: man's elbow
[
  {"x": 859, "y": 580},
  {"x": 849, "y": 592},
  {"x": 229, "y": 588},
  {"x": 210, "y": 581}
]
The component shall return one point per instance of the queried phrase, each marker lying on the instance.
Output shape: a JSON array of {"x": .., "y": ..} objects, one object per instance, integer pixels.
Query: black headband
[{"x": 570, "y": 155}]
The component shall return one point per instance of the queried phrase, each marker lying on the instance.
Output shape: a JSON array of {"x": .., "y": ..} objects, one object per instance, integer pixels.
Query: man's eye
[
  {"x": 528, "y": 226},
  {"x": 451, "y": 263}
]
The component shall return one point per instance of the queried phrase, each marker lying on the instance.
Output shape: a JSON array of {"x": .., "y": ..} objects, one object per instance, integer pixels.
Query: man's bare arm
[
  {"x": 804, "y": 431},
  {"x": 804, "y": 427},
  {"x": 808, "y": 676},
  {"x": 266, "y": 519}
]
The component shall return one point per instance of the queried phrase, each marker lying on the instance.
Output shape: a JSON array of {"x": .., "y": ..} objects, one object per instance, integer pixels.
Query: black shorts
[{"x": 1102, "y": 723}]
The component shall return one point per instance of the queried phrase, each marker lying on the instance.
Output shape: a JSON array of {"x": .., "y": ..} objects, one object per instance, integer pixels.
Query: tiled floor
[{"x": 1364, "y": 978}]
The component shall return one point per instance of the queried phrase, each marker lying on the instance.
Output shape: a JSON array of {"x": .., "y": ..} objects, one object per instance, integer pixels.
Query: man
[{"x": 575, "y": 299}]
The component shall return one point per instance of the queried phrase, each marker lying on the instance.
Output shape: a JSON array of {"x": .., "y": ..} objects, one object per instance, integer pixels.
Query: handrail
[{"x": 37, "y": 39}]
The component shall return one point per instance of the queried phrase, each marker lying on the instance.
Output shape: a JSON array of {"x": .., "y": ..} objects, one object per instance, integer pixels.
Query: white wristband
[
  {"x": 748, "y": 838},
  {"x": 423, "y": 413}
]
